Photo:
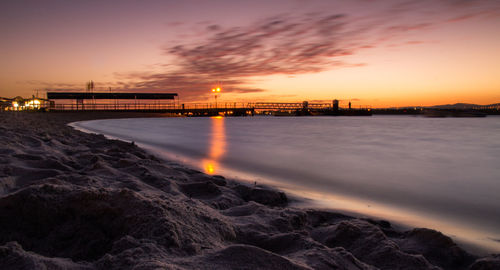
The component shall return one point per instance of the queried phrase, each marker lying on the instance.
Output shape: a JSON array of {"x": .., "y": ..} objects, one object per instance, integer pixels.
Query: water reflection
[{"x": 217, "y": 144}]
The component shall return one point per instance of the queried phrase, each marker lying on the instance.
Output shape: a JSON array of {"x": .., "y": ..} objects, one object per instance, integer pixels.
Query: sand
[{"x": 71, "y": 200}]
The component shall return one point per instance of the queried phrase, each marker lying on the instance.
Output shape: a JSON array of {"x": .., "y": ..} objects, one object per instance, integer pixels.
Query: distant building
[
  {"x": 335, "y": 105},
  {"x": 110, "y": 101}
]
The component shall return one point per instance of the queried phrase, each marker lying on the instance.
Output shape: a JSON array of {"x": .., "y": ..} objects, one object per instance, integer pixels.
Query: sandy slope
[{"x": 70, "y": 200}]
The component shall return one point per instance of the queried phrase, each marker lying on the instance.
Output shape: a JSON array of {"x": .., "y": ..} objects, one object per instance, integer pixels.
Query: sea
[{"x": 440, "y": 173}]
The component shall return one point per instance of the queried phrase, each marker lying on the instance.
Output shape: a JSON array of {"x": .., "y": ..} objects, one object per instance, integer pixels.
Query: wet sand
[{"x": 72, "y": 200}]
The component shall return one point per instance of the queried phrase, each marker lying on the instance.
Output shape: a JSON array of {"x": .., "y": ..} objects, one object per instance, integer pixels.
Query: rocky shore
[{"x": 71, "y": 200}]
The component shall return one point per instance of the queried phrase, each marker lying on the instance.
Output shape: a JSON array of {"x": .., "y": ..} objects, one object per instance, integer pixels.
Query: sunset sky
[{"x": 377, "y": 53}]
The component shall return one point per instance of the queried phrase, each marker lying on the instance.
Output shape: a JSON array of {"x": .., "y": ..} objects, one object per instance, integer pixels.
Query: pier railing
[{"x": 149, "y": 107}]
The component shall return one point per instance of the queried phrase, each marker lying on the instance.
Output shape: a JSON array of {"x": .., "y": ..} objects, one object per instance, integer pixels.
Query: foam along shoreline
[{"x": 73, "y": 200}]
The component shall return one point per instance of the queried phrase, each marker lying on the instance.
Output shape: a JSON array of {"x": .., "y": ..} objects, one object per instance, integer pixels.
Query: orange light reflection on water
[{"x": 217, "y": 145}]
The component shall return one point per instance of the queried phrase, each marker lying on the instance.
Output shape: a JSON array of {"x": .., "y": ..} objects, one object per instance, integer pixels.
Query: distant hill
[
  {"x": 461, "y": 106},
  {"x": 456, "y": 106}
]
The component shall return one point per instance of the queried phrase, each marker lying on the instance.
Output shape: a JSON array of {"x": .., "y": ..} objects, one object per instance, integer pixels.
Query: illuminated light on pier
[
  {"x": 20, "y": 104},
  {"x": 32, "y": 104}
]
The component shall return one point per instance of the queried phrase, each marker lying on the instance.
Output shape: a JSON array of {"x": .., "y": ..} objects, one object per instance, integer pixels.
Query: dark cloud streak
[{"x": 281, "y": 45}]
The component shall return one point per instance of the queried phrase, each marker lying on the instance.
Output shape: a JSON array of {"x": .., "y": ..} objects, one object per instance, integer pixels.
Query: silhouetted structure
[
  {"x": 81, "y": 95},
  {"x": 110, "y": 101},
  {"x": 335, "y": 105}
]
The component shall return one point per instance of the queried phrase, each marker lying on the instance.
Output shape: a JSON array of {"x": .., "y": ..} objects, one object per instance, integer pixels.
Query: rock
[
  {"x": 322, "y": 217},
  {"x": 83, "y": 223},
  {"x": 216, "y": 179},
  {"x": 286, "y": 243},
  {"x": 320, "y": 258},
  {"x": 369, "y": 244},
  {"x": 13, "y": 256},
  {"x": 246, "y": 257},
  {"x": 436, "y": 247},
  {"x": 488, "y": 263},
  {"x": 203, "y": 190},
  {"x": 262, "y": 195}
]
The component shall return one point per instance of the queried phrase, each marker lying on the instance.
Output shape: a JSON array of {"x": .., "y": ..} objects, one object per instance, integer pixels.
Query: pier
[{"x": 167, "y": 103}]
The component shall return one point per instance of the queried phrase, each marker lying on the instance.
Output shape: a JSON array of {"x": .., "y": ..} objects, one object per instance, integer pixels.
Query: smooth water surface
[{"x": 442, "y": 173}]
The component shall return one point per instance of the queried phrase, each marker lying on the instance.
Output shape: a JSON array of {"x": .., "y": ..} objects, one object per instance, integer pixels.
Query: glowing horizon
[{"x": 375, "y": 53}]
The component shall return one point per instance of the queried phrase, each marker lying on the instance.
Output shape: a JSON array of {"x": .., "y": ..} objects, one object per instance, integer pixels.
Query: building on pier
[{"x": 104, "y": 101}]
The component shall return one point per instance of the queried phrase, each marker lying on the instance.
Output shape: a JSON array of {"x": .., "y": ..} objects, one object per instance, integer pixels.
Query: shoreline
[{"x": 73, "y": 200}]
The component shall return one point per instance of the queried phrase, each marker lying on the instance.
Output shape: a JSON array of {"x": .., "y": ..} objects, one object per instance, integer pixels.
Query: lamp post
[{"x": 216, "y": 91}]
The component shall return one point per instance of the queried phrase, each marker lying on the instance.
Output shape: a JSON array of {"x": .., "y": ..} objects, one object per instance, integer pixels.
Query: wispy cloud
[{"x": 278, "y": 45}]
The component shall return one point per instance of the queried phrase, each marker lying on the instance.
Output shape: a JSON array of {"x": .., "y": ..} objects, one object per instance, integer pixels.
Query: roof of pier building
[{"x": 89, "y": 95}]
